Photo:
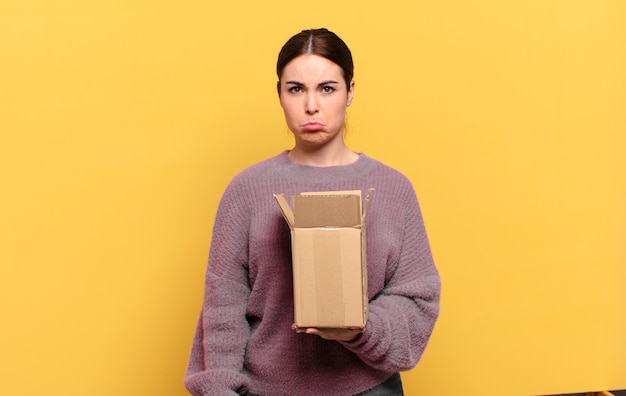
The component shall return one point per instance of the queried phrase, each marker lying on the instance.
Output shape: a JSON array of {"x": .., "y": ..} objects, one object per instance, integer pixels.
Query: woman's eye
[
  {"x": 295, "y": 89},
  {"x": 328, "y": 89}
]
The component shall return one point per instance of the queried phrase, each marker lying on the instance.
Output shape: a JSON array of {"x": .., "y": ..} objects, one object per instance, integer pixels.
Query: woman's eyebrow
[{"x": 298, "y": 83}]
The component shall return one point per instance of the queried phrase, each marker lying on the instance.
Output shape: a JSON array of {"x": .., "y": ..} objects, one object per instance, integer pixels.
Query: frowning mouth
[{"x": 312, "y": 126}]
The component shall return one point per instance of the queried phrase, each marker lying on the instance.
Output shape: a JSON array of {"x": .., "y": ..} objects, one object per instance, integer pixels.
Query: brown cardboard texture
[{"x": 329, "y": 260}]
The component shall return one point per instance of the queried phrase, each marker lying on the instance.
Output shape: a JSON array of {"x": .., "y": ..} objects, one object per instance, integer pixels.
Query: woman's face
[{"x": 314, "y": 97}]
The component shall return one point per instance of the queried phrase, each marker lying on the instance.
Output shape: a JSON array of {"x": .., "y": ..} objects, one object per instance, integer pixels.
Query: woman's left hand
[{"x": 333, "y": 334}]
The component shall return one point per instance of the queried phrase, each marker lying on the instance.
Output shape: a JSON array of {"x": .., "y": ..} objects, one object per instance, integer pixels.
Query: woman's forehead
[{"x": 309, "y": 68}]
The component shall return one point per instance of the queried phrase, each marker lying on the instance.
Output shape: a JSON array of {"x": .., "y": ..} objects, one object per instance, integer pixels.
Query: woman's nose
[{"x": 311, "y": 104}]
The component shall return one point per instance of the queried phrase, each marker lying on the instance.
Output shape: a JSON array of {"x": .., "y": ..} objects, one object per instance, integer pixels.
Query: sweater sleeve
[
  {"x": 402, "y": 316},
  {"x": 216, "y": 361}
]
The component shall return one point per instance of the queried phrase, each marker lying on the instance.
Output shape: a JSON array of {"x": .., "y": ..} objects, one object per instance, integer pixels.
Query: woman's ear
[
  {"x": 350, "y": 93},
  {"x": 278, "y": 87}
]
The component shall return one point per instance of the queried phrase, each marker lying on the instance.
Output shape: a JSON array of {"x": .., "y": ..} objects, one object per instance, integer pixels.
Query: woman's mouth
[{"x": 312, "y": 126}]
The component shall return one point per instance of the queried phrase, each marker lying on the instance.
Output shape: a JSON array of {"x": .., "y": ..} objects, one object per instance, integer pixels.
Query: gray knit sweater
[{"x": 244, "y": 340}]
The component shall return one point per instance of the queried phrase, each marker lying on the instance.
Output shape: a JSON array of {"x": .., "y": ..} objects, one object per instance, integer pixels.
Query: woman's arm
[
  {"x": 402, "y": 316},
  {"x": 216, "y": 361}
]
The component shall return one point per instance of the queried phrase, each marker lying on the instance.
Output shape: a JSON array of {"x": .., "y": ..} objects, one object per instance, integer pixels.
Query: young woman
[{"x": 244, "y": 342}]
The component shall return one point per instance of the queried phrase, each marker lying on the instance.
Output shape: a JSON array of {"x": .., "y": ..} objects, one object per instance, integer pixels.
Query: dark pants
[{"x": 391, "y": 387}]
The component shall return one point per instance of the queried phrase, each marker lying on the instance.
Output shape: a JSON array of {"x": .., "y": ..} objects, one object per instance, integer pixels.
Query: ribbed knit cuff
[{"x": 216, "y": 383}]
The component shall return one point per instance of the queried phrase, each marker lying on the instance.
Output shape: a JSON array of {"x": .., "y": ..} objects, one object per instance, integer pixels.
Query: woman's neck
[{"x": 323, "y": 156}]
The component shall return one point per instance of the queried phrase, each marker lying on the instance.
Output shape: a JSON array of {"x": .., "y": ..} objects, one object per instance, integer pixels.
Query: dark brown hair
[{"x": 321, "y": 42}]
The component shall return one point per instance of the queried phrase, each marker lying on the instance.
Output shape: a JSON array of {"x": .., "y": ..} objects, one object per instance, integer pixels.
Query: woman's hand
[{"x": 332, "y": 334}]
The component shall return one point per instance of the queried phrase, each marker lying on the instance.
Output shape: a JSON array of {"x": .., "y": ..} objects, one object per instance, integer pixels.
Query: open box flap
[
  {"x": 327, "y": 210},
  {"x": 284, "y": 207}
]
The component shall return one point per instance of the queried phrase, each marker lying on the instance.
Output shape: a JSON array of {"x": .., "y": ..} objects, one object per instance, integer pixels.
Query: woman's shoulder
[
  {"x": 262, "y": 169},
  {"x": 388, "y": 172},
  {"x": 251, "y": 180}
]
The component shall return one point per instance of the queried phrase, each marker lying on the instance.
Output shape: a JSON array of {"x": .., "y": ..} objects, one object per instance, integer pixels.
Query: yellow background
[{"x": 122, "y": 121}]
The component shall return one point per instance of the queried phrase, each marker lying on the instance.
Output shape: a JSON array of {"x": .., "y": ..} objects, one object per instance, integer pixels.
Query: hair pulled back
[{"x": 321, "y": 42}]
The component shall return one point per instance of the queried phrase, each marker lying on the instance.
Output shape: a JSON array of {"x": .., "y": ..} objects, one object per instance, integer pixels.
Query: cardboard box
[{"x": 329, "y": 261}]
